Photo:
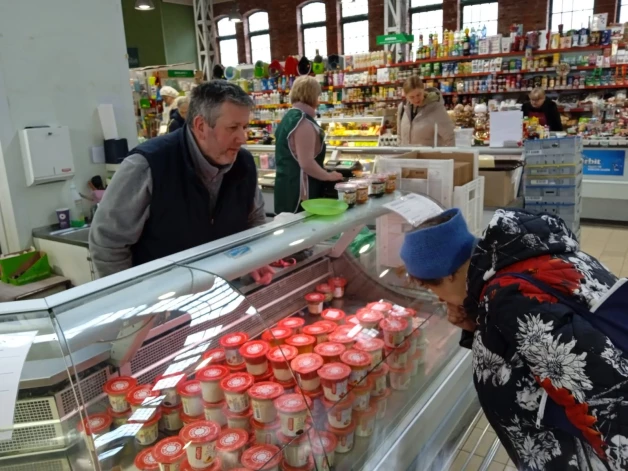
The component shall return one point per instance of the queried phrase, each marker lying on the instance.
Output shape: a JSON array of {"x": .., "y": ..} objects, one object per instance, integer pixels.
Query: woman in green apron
[{"x": 300, "y": 150}]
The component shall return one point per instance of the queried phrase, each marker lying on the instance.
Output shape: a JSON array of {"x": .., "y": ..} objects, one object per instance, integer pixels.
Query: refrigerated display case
[
  {"x": 352, "y": 131},
  {"x": 166, "y": 322}
]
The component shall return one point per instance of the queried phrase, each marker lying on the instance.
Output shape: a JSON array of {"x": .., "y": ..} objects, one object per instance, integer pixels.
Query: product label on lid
[
  {"x": 300, "y": 339},
  {"x": 212, "y": 373},
  {"x": 148, "y": 459},
  {"x": 266, "y": 390},
  {"x": 234, "y": 339},
  {"x": 236, "y": 382},
  {"x": 201, "y": 431},
  {"x": 171, "y": 448},
  {"x": 261, "y": 456},
  {"x": 120, "y": 385},
  {"x": 193, "y": 388},
  {"x": 332, "y": 313},
  {"x": 254, "y": 348},
  {"x": 96, "y": 422}
]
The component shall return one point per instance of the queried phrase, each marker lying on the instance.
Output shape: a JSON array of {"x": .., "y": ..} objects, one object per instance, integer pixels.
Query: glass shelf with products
[{"x": 352, "y": 132}]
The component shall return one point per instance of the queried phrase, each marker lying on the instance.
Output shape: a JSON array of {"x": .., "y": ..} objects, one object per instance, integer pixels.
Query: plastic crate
[
  {"x": 552, "y": 194},
  {"x": 550, "y": 170},
  {"x": 556, "y": 145},
  {"x": 470, "y": 199},
  {"x": 552, "y": 180},
  {"x": 554, "y": 159}
]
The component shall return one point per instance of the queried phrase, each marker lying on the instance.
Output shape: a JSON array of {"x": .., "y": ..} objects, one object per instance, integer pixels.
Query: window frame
[
  {"x": 551, "y": 12},
  {"x": 351, "y": 19},
  {"x": 224, "y": 38},
  {"x": 619, "y": 5},
  {"x": 260, "y": 32},
  {"x": 468, "y": 3},
  {"x": 425, "y": 9},
  {"x": 303, "y": 26}
]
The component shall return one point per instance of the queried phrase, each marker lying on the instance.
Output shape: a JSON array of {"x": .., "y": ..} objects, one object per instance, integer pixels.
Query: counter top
[{"x": 74, "y": 235}]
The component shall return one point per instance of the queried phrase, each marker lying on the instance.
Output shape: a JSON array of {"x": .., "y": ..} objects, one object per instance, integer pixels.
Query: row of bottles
[
  {"x": 373, "y": 94},
  {"x": 453, "y": 44}
]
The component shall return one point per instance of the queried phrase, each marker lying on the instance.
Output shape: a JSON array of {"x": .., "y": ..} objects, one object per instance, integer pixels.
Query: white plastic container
[
  {"x": 394, "y": 331},
  {"x": 140, "y": 396},
  {"x": 400, "y": 378},
  {"x": 362, "y": 393},
  {"x": 169, "y": 453},
  {"x": 345, "y": 437},
  {"x": 92, "y": 426},
  {"x": 380, "y": 403},
  {"x": 292, "y": 410},
  {"x": 167, "y": 386},
  {"x": 241, "y": 421},
  {"x": 191, "y": 397},
  {"x": 335, "y": 380},
  {"x": 359, "y": 361},
  {"x": 380, "y": 380},
  {"x": 324, "y": 448},
  {"x": 235, "y": 387},
  {"x": 296, "y": 451},
  {"x": 339, "y": 413},
  {"x": 210, "y": 378},
  {"x": 232, "y": 343},
  {"x": 374, "y": 347},
  {"x": 171, "y": 418},
  {"x": 306, "y": 366},
  {"x": 262, "y": 396},
  {"x": 149, "y": 432},
  {"x": 365, "y": 422},
  {"x": 145, "y": 461},
  {"x": 200, "y": 439},
  {"x": 280, "y": 358},
  {"x": 214, "y": 412},
  {"x": 230, "y": 446},
  {"x": 258, "y": 457},
  {"x": 254, "y": 354},
  {"x": 117, "y": 389}
]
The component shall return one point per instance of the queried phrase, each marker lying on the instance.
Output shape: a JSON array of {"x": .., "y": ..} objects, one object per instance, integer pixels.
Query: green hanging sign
[
  {"x": 398, "y": 38},
  {"x": 181, "y": 73}
]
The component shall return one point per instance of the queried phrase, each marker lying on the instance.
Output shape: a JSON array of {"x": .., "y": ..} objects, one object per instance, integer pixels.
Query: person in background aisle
[
  {"x": 169, "y": 96},
  {"x": 178, "y": 115},
  {"x": 544, "y": 109},
  {"x": 300, "y": 150},
  {"x": 184, "y": 189},
  {"x": 552, "y": 385},
  {"x": 421, "y": 114}
]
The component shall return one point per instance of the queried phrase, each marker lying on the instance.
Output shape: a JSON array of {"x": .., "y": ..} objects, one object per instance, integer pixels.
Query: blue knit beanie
[{"x": 438, "y": 251}]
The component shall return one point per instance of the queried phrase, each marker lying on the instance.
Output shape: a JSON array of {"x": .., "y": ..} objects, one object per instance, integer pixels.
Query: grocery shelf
[{"x": 352, "y": 138}]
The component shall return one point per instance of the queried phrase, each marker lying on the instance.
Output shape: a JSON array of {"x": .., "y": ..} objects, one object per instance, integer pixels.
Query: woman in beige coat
[{"x": 420, "y": 114}]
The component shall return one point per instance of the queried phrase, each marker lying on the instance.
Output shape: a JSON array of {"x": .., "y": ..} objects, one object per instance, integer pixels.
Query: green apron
[{"x": 292, "y": 185}]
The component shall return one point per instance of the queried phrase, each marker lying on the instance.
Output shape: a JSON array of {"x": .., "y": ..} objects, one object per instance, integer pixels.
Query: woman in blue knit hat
[{"x": 553, "y": 387}]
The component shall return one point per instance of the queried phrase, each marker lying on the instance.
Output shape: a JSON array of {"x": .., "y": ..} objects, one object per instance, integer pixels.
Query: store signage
[
  {"x": 399, "y": 38},
  {"x": 181, "y": 73},
  {"x": 237, "y": 252},
  {"x": 604, "y": 162}
]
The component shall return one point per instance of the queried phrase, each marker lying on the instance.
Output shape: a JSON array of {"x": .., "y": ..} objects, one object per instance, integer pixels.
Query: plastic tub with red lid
[
  {"x": 191, "y": 397},
  {"x": 293, "y": 411},
  {"x": 308, "y": 466},
  {"x": 117, "y": 389},
  {"x": 190, "y": 419},
  {"x": 418, "y": 328},
  {"x": 335, "y": 380},
  {"x": 338, "y": 284},
  {"x": 398, "y": 357},
  {"x": 214, "y": 412},
  {"x": 169, "y": 453},
  {"x": 167, "y": 386},
  {"x": 215, "y": 356},
  {"x": 315, "y": 303},
  {"x": 359, "y": 361},
  {"x": 345, "y": 436},
  {"x": 401, "y": 312},
  {"x": 416, "y": 361},
  {"x": 400, "y": 378},
  {"x": 380, "y": 403},
  {"x": 351, "y": 320},
  {"x": 302, "y": 342},
  {"x": 254, "y": 354},
  {"x": 241, "y": 420},
  {"x": 331, "y": 326},
  {"x": 379, "y": 378},
  {"x": 295, "y": 449},
  {"x": 339, "y": 412},
  {"x": 381, "y": 306},
  {"x": 346, "y": 335},
  {"x": 325, "y": 290},
  {"x": 319, "y": 332},
  {"x": 171, "y": 418},
  {"x": 268, "y": 376},
  {"x": 365, "y": 421},
  {"x": 216, "y": 465},
  {"x": 118, "y": 418},
  {"x": 293, "y": 323},
  {"x": 330, "y": 351},
  {"x": 262, "y": 457},
  {"x": 232, "y": 343},
  {"x": 369, "y": 318},
  {"x": 145, "y": 461},
  {"x": 374, "y": 347},
  {"x": 277, "y": 335},
  {"x": 266, "y": 434},
  {"x": 394, "y": 331},
  {"x": 362, "y": 392},
  {"x": 288, "y": 386},
  {"x": 305, "y": 367},
  {"x": 141, "y": 396},
  {"x": 94, "y": 425},
  {"x": 149, "y": 432},
  {"x": 237, "y": 369},
  {"x": 323, "y": 448},
  {"x": 200, "y": 439},
  {"x": 231, "y": 445},
  {"x": 262, "y": 396},
  {"x": 235, "y": 387},
  {"x": 210, "y": 378},
  {"x": 334, "y": 315},
  {"x": 280, "y": 358}
]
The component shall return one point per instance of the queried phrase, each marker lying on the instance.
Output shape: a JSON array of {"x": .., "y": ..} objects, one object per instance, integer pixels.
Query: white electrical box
[{"x": 47, "y": 154}]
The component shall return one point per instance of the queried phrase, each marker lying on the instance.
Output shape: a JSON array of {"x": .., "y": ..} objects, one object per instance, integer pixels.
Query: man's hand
[
  {"x": 458, "y": 317},
  {"x": 263, "y": 276},
  {"x": 334, "y": 177}
]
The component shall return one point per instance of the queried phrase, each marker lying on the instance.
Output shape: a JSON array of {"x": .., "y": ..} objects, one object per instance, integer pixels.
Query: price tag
[
  {"x": 237, "y": 252},
  {"x": 415, "y": 208}
]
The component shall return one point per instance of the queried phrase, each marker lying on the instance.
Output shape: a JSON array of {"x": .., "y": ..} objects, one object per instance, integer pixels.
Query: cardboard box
[
  {"x": 499, "y": 185},
  {"x": 463, "y": 173},
  {"x": 470, "y": 158}
]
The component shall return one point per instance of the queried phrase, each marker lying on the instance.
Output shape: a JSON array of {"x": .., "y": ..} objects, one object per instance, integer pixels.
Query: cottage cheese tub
[
  {"x": 335, "y": 380},
  {"x": 323, "y": 448},
  {"x": 319, "y": 332},
  {"x": 230, "y": 446},
  {"x": 369, "y": 318},
  {"x": 191, "y": 397},
  {"x": 400, "y": 378},
  {"x": 215, "y": 356},
  {"x": 214, "y": 412},
  {"x": 266, "y": 434},
  {"x": 302, "y": 342},
  {"x": 380, "y": 403},
  {"x": 338, "y": 284},
  {"x": 330, "y": 352},
  {"x": 145, "y": 461},
  {"x": 325, "y": 290},
  {"x": 254, "y": 354},
  {"x": 262, "y": 396},
  {"x": 118, "y": 418},
  {"x": 346, "y": 335},
  {"x": 309, "y": 466},
  {"x": 345, "y": 437},
  {"x": 277, "y": 335},
  {"x": 360, "y": 362},
  {"x": 210, "y": 378},
  {"x": 293, "y": 323},
  {"x": 295, "y": 450},
  {"x": 339, "y": 413},
  {"x": 394, "y": 331},
  {"x": 398, "y": 357},
  {"x": 190, "y": 419},
  {"x": 379, "y": 378},
  {"x": 169, "y": 453},
  {"x": 242, "y": 420},
  {"x": 140, "y": 396},
  {"x": 315, "y": 303},
  {"x": 305, "y": 366},
  {"x": 171, "y": 418},
  {"x": 232, "y": 343},
  {"x": 374, "y": 347},
  {"x": 280, "y": 358},
  {"x": 215, "y": 466},
  {"x": 380, "y": 306},
  {"x": 235, "y": 387},
  {"x": 92, "y": 426},
  {"x": 200, "y": 440},
  {"x": 167, "y": 386},
  {"x": 362, "y": 393},
  {"x": 292, "y": 410},
  {"x": 334, "y": 315},
  {"x": 365, "y": 422},
  {"x": 149, "y": 432},
  {"x": 117, "y": 389},
  {"x": 262, "y": 457}
]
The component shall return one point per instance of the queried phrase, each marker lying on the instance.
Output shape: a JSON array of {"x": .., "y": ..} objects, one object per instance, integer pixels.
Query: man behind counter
[
  {"x": 544, "y": 109},
  {"x": 184, "y": 189}
]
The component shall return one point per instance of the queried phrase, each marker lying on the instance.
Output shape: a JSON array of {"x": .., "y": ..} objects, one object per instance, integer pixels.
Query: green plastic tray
[{"x": 325, "y": 207}]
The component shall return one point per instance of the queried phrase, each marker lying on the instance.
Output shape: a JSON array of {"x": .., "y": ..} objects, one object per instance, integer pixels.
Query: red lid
[
  {"x": 254, "y": 349},
  {"x": 380, "y": 371},
  {"x": 291, "y": 403},
  {"x": 345, "y": 334},
  {"x": 376, "y": 399},
  {"x": 235, "y": 340},
  {"x": 95, "y": 424},
  {"x": 394, "y": 325},
  {"x": 342, "y": 432},
  {"x": 120, "y": 385},
  {"x": 324, "y": 288},
  {"x": 309, "y": 466},
  {"x": 406, "y": 370},
  {"x": 324, "y": 442},
  {"x": 216, "y": 465},
  {"x": 217, "y": 355},
  {"x": 190, "y": 419},
  {"x": 276, "y": 333},
  {"x": 330, "y": 349},
  {"x": 369, "y": 344},
  {"x": 337, "y": 281},
  {"x": 169, "y": 450},
  {"x": 411, "y": 311},
  {"x": 200, "y": 432},
  {"x": 344, "y": 403},
  {"x": 301, "y": 340},
  {"x": 399, "y": 311},
  {"x": 212, "y": 373},
  {"x": 369, "y": 315},
  {"x": 307, "y": 363},
  {"x": 315, "y": 297},
  {"x": 263, "y": 377},
  {"x": 370, "y": 411},
  {"x": 351, "y": 320},
  {"x": 282, "y": 353},
  {"x": 316, "y": 329},
  {"x": 318, "y": 392},
  {"x": 190, "y": 388},
  {"x": 356, "y": 358},
  {"x": 237, "y": 382},
  {"x": 291, "y": 383},
  {"x": 292, "y": 323},
  {"x": 285, "y": 440},
  {"x": 138, "y": 394},
  {"x": 152, "y": 421},
  {"x": 381, "y": 306},
  {"x": 237, "y": 369},
  {"x": 334, "y": 372},
  {"x": 334, "y": 315},
  {"x": 401, "y": 348},
  {"x": 330, "y": 325},
  {"x": 365, "y": 385},
  {"x": 271, "y": 426},
  {"x": 261, "y": 457},
  {"x": 168, "y": 381},
  {"x": 232, "y": 439},
  {"x": 145, "y": 461},
  {"x": 118, "y": 415},
  {"x": 214, "y": 405},
  {"x": 266, "y": 390}
]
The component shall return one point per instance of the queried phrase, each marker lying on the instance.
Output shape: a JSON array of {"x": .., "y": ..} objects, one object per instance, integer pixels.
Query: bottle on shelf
[{"x": 466, "y": 44}]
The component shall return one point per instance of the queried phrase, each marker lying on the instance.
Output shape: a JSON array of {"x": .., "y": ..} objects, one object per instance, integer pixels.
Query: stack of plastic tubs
[{"x": 553, "y": 178}]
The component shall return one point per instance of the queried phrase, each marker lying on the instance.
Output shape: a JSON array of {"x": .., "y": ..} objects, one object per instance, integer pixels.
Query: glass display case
[
  {"x": 337, "y": 364},
  {"x": 353, "y": 131}
]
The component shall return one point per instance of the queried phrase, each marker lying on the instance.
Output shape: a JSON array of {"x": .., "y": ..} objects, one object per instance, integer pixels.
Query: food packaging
[
  {"x": 394, "y": 331},
  {"x": 365, "y": 421},
  {"x": 359, "y": 361},
  {"x": 235, "y": 387},
  {"x": 262, "y": 396},
  {"x": 302, "y": 342},
  {"x": 347, "y": 192},
  {"x": 262, "y": 457},
  {"x": 334, "y": 315},
  {"x": 241, "y": 420},
  {"x": 345, "y": 334},
  {"x": 325, "y": 290},
  {"x": 398, "y": 357},
  {"x": 145, "y": 461},
  {"x": 380, "y": 403},
  {"x": 171, "y": 418},
  {"x": 276, "y": 336},
  {"x": 215, "y": 357},
  {"x": 230, "y": 446},
  {"x": 191, "y": 397},
  {"x": 339, "y": 413},
  {"x": 369, "y": 318},
  {"x": 216, "y": 465},
  {"x": 345, "y": 437},
  {"x": 293, "y": 323},
  {"x": 335, "y": 380},
  {"x": 379, "y": 378},
  {"x": 138, "y": 395},
  {"x": 231, "y": 344},
  {"x": 118, "y": 418},
  {"x": 319, "y": 331},
  {"x": 200, "y": 441},
  {"x": 338, "y": 284},
  {"x": 92, "y": 426},
  {"x": 380, "y": 306},
  {"x": 323, "y": 448},
  {"x": 280, "y": 358},
  {"x": 309, "y": 466},
  {"x": 214, "y": 412},
  {"x": 362, "y": 393},
  {"x": 330, "y": 351},
  {"x": 117, "y": 389},
  {"x": 167, "y": 386},
  {"x": 266, "y": 434},
  {"x": 374, "y": 347},
  {"x": 292, "y": 410},
  {"x": 190, "y": 419},
  {"x": 315, "y": 303},
  {"x": 400, "y": 378},
  {"x": 149, "y": 432},
  {"x": 295, "y": 450},
  {"x": 305, "y": 367},
  {"x": 254, "y": 354},
  {"x": 210, "y": 378},
  {"x": 351, "y": 320},
  {"x": 362, "y": 190},
  {"x": 169, "y": 453}
]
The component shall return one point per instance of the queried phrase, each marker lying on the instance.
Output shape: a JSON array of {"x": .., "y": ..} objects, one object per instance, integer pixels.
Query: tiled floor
[{"x": 610, "y": 246}]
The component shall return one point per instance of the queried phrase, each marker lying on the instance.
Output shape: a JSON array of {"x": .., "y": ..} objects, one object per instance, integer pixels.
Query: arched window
[
  {"x": 314, "y": 29},
  {"x": 622, "y": 14},
  {"x": 571, "y": 14},
  {"x": 476, "y": 14},
  {"x": 426, "y": 17},
  {"x": 227, "y": 42},
  {"x": 355, "y": 26},
  {"x": 259, "y": 37}
]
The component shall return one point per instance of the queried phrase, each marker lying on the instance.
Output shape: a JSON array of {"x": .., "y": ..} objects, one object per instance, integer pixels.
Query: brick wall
[{"x": 284, "y": 30}]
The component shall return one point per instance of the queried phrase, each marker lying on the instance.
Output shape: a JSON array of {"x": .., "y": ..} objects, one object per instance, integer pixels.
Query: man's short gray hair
[{"x": 206, "y": 100}]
